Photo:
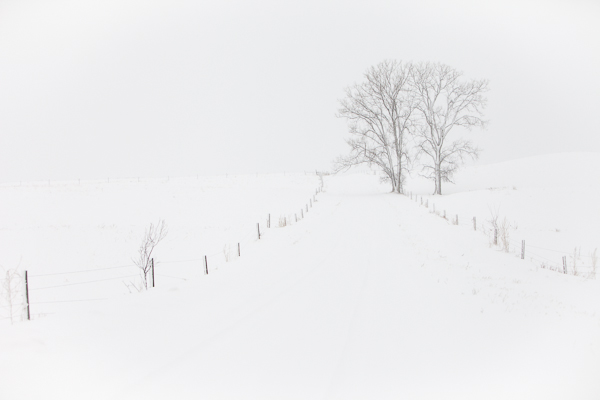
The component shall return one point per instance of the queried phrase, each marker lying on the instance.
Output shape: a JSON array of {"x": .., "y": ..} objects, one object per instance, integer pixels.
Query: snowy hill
[
  {"x": 549, "y": 201},
  {"x": 549, "y": 170},
  {"x": 369, "y": 296}
]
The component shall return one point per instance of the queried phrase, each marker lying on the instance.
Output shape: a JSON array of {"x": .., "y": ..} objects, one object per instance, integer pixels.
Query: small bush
[
  {"x": 10, "y": 290},
  {"x": 594, "y": 257},
  {"x": 227, "y": 252},
  {"x": 502, "y": 228},
  {"x": 282, "y": 221}
]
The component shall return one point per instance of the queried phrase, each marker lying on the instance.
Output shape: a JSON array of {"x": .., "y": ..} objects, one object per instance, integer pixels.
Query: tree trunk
[
  {"x": 438, "y": 177},
  {"x": 399, "y": 188}
]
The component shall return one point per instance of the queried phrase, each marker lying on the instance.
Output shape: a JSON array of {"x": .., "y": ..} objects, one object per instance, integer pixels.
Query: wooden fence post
[
  {"x": 258, "y": 229},
  {"x": 522, "y": 249},
  {"x": 239, "y": 254},
  {"x": 564, "y": 264},
  {"x": 205, "y": 265},
  {"x": 474, "y": 223},
  {"x": 27, "y": 296},
  {"x": 152, "y": 261}
]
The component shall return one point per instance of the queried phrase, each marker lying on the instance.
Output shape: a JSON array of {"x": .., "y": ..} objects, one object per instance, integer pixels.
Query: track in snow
[{"x": 375, "y": 305}]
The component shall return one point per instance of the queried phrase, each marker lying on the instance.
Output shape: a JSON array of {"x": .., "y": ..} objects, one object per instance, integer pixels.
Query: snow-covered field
[
  {"x": 94, "y": 229},
  {"x": 370, "y": 296},
  {"x": 552, "y": 202}
]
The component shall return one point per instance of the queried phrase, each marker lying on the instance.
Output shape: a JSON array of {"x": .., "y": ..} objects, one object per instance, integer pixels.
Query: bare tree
[
  {"x": 153, "y": 235},
  {"x": 445, "y": 101},
  {"x": 380, "y": 114}
]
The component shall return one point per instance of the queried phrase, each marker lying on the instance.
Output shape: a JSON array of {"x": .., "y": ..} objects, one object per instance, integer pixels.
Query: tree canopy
[{"x": 403, "y": 112}]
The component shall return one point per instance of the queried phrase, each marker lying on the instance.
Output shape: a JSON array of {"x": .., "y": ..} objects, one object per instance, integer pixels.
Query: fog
[{"x": 136, "y": 88}]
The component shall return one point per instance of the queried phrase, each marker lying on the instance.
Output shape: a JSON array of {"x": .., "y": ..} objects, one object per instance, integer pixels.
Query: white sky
[{"x": 125, "y": 88}]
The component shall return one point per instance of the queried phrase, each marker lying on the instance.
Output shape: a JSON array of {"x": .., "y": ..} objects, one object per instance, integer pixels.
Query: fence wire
[
  {"x": 249, "y": 238},
  {"x": 572, "y": 268}
]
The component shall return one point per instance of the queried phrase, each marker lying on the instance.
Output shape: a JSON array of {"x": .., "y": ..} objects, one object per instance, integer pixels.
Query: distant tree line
[{"x": 400, "y": 118}]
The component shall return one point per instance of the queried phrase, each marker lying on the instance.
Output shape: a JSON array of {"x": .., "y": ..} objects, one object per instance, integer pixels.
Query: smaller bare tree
[
  {"x": 153, "y": 235},
  {"x": 445, "y": 103}
]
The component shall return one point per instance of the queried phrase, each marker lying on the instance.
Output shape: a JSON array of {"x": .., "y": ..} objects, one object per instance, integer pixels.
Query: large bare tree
[
  {"x": 380, "y": 114},
  {"x": 444, "y": 102}
]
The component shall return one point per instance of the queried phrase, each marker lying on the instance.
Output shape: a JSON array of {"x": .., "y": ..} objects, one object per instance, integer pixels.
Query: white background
[{"x": 132, "y": 88}]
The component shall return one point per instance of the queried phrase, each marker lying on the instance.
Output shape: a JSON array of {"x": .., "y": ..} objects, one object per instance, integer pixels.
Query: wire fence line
[
  {"x": 82, "y": 271},
  {"x": 83, "y": 283},
  {"x": 212, "y": 262},
  {"x": 568, "y": 264},
  {"x": 66, "y": 301}
]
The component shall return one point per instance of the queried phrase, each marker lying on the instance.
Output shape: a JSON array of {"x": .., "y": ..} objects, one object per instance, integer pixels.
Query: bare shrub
[
  {"x": 494, "y": 215},
  {"x": 282, "y": 221},
  {"x": 153, "y": 235},
  {"x": 594, "y": 258},
  {"x": 11, "y": 283},
  {"x": 549, "y": 267},
  {"x": 501, "y": 228},
  {"x": 574, "y": 258},
  {"x": 227, "y": 252},
  {"x": 504, "y": 234},
  {"x": 134, "y": 286}
]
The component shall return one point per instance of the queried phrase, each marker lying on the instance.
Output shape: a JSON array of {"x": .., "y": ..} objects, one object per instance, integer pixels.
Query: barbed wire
[
  {"x": 249, "y": 238},
  {"x": 179, "y": 261},
  {"x": 172, "y": 277},
  {"x": 542, "y": 257},
  {"x": 81, "y": 271},
  {"x": 83, "y": 283},
  {"x": 451, "y": 219},
  {"x": 65, "y": 301}
]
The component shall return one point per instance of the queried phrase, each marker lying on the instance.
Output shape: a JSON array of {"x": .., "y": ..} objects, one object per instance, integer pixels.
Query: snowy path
[
  {"x": 363, "y": 316},
  {"x": 370, "y": 297}
]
